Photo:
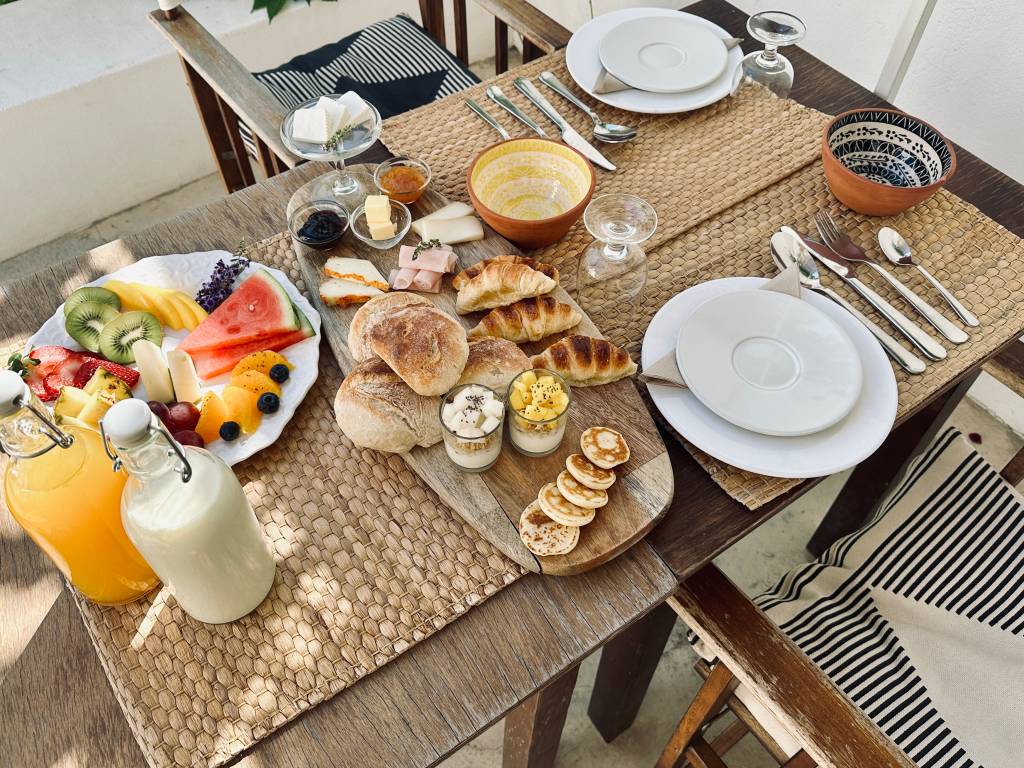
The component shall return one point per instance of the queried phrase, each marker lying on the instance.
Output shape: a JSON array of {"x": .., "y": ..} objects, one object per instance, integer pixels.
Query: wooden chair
[{"x": 242, "y": 117}]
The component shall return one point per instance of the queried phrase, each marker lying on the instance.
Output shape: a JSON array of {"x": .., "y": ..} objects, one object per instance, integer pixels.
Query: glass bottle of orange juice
[{"x": 59, "y": 486}]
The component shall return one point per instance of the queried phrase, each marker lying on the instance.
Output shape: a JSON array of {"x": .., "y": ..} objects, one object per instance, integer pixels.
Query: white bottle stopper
[
  {"x": 127, "y": 422},
  {"x": 14, "y": 392}
]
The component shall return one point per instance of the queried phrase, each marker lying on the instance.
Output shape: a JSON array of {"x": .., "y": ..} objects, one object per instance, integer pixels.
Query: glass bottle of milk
[{"x": 186, "y": 513}]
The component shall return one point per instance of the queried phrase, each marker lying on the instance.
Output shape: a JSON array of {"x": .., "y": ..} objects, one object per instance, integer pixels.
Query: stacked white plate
[
  {"x": 674, "y": 60},
  {"x": 779, "y": 386}
]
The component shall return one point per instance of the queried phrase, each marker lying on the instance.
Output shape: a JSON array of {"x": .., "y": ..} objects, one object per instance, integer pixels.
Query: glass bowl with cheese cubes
[
  {"x": 539, "y": 400},
  {"x": 472, "y": 417},
  {"x": 332, "y": 129},
  {"x": 381, "y": 222}
]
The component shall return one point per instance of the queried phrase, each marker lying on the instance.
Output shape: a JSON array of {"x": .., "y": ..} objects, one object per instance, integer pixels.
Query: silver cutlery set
[
  {"x": 840, "y": 255},
  {"x": 609, "y": 133}
]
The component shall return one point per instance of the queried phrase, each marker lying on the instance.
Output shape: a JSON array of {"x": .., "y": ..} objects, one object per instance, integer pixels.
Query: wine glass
[
  {"x": 614, "y": 266},
  {"x": 769, "y": 67},
  {"x": 349, "y": 188}
]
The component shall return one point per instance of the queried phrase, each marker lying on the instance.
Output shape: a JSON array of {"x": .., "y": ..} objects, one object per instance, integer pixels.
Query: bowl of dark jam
[{"x": 319, "y": 224}]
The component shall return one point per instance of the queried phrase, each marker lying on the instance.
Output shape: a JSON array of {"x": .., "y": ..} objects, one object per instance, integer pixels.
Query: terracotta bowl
[
  {"x": 881, "y": 162},
  {"x": 530, "y": 190}
]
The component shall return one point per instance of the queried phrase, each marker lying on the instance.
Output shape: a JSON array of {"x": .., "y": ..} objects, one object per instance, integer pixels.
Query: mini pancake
[
  {"x": 577, "y": 493},
  {"x": 604, "y": 447},
  {"x": 588, "y": 473},
  {"x": 543, "y": 536},
  {"x": 560, "y": 509}
]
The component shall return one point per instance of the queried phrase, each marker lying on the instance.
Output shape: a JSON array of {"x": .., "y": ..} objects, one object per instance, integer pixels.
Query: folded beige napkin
[
  {"x": 665, "y": 371},
  {"x": 609, "y": 83}
]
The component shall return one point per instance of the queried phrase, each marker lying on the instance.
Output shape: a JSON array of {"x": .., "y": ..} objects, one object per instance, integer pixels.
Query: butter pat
[
  {"x": 356, "y": 110},
  {"x": 311, "y": 125},
  {"x": 335, "y": 111},
  {"x": 381, "y": 231},
  {"x": 378, "y": 209}
]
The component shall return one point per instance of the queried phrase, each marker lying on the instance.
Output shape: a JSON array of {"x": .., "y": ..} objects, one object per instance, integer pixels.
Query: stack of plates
[
  {"x": 675, "y": 61},
  {"x": 777, "y": 385}
]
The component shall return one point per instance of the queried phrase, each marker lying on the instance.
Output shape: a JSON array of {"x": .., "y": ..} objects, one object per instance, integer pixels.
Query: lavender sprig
[{"x": 218, "y": 287}]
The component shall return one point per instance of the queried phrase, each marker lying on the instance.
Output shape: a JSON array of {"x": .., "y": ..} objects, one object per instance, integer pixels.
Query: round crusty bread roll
[
  {"x": 372, "y": 312},
  {"x": 376, "y": 409},
  {"x": 588, "y": 473},
  {"x": 543, "y": 536},
  {"x": 560, "y": 509},
  {"x": 604, "y": 447},
  {"x": 577, "y": 493},
  {"x": 426, "y": 347},
  {"x": 494, "y": 363}
]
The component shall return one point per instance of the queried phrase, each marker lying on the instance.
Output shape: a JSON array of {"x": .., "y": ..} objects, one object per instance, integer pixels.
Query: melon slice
[
  {"x": 215, "y": 362},
  {"x": 258, "y": 309}
]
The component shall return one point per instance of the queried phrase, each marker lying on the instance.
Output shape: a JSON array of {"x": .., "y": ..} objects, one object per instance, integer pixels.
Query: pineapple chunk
[
  {"x": 535, "y": 413},
  {"x": 560, "y": 401},
  {"x": 546, "y": 380},
  {"x": 528, "y": 379},
  {"x": 515, "y": 398}
]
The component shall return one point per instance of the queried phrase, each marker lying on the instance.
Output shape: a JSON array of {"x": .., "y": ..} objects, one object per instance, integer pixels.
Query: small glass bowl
[
  {"x": 411, "y": 196},
  {"x": 537, "y": 438},
  {"x": 302, "y": 214},
  {"x": 471, "y": 454},
  {"x": 400, "y": 217}
]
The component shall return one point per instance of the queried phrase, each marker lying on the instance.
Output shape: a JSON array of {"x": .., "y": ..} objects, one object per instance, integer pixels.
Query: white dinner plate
[
  {"x": 584, "y": 64},
  {"x": 823, "y": 453},
  {"x": 769, "y": 362},
  {"x": 663, "y": 55},
  {"x": 187, "y": 272}
]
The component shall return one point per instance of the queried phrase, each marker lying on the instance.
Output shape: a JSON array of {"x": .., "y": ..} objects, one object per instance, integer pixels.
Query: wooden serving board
[{"x": 493, "y": 501}]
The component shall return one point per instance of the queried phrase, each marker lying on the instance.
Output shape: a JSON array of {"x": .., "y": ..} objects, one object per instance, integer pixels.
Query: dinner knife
[
  {"x": 569, "y": 134},
  {"x": 832, "y": 261},
  {"x": 495, "y": 94}
]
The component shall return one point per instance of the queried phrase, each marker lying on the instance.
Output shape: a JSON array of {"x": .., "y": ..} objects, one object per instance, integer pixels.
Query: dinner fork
[{"x": 841, "y": 243}]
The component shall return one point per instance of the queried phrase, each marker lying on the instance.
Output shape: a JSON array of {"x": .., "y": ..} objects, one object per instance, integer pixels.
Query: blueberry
[
  {"x": 279, "y": 373},
  {"x": 268, "y": 402},
  {"x": 230, "y": 430}
]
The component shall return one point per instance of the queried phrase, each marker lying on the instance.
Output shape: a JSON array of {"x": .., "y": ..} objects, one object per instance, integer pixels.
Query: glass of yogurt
[
  {"x": 539, "y": 400},
  {"x": 471, "y": 417}
]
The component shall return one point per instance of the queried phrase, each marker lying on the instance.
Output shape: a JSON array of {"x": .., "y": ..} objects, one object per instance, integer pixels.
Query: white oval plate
[
  {"x": 187, "y": 272},
  {"x": 769, "y": 362},
  {"x": 663, "y": 55},
  {"x": 823, "y": 453},
  {"x": 584, "y": 64}
]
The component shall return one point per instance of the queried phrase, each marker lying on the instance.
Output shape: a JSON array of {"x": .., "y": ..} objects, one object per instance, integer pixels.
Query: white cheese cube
[
  {"x": 489, "y": 425},
  {"x": 448, "y": 413},
  {"x": 494, "y": 409},
  {"x": 382, "y": 231},
  {"x": 466, "y": 418},
  {"x": 356, "y": 110},
  {"x": 311, "y": 125},
  {"x": 378, "y": 209},
  {"x": 335, "y": 111}
]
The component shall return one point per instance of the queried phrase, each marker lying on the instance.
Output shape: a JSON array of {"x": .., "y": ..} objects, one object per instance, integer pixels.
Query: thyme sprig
[
  {"x": 426, "y": 245},
  {"x": 332, "y": 143}
]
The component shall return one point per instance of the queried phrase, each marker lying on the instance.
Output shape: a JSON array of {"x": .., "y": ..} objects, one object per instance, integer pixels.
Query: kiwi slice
[
  {"x": 91, "y": 293},
  {"x": 84, "y": 323},
  {"x": 119, "y": 334}
]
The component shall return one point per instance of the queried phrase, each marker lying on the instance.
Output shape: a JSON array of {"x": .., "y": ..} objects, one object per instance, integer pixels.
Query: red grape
[
  {"x": 158, "y": 409},
  {"x": 188, "y": 437},
  {"x": 182, "y": 417}
]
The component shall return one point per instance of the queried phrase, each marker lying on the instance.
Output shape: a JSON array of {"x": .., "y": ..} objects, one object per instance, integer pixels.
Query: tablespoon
[
  {"x": 787, "y": 250},
  {"x": 898, "y": 252},
  {"x": 611, "y": 133}
]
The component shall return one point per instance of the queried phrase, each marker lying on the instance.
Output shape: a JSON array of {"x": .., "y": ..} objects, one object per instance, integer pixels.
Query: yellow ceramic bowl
[{"x": 530, "y": 190}]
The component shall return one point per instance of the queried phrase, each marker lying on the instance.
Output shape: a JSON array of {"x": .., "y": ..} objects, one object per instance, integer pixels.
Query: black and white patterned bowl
[{"x": 884, "y": 159}]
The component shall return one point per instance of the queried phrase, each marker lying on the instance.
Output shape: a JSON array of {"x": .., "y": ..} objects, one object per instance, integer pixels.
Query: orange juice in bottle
[{"x": 60, "y": 487}]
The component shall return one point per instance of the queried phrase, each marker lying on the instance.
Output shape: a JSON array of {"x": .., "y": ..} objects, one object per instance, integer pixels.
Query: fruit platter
[{"x": 221, "y": 348}]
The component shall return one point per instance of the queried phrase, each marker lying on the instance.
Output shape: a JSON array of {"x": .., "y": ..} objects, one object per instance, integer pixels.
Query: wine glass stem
[
  {"x": 769, "y": 56},
  {"x": 343, "y": 181},
  {"x": 614, "y": 251}
]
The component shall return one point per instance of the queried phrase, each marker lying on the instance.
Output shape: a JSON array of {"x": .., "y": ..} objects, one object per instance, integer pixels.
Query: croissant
[
  {"x": 470, "y": 272},
  {"x": 584, "y": 361},
  {"x": 527, "y": 320},
  {"x": 500, "y": 284}
]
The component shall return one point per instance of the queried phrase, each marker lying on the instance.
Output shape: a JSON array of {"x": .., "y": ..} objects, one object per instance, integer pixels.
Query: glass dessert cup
[
  {"x": 537, "y": 437},
  {"x": 400, "y": 217},
  {"x": 404, "y": 190},
  {"x": 471, "y": 454},
  {"x": 769, "y": 67},
  {"x": 349, "y": 188}
]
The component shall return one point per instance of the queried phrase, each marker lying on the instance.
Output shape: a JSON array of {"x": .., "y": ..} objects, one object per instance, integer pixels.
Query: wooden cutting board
[{"x": 492, "y": 501}]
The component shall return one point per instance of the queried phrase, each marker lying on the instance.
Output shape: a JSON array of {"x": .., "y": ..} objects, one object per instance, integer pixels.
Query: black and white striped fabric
[
  {"x": 919, "y": 616},
  {"x": 393, "y": 64}
]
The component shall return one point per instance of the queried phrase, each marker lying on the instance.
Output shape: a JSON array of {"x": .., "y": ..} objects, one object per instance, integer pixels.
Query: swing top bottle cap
[
  {"x": 127, "y": 422},
  {"x": 13, "y": 392}
]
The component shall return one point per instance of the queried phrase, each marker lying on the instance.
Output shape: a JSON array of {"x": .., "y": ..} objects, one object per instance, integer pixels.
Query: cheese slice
[
  {"x": 356, "y": 270},
  {"x": 341, "y": 293},
  {"x": 383, "y": 231},
  {"x": 450, "y": 211},
  {"x": 451, "y": 231},
  {"x": 335, "y": 111},
  {"x": 377, "y": 209},
  {"x": 311, "y": 125},
  {"x": 356, "y": 110}
]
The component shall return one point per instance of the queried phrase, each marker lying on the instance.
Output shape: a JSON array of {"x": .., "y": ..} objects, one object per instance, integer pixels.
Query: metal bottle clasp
[
  {"x": 185, "y": 470},
  {"x": 58, "y": 437}
]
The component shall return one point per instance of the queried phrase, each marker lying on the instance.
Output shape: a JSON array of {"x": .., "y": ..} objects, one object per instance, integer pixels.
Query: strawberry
[{"x": 128, "y": 375}]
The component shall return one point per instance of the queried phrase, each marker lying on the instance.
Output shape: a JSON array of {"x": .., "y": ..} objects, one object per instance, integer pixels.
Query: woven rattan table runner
[
  {"x": 722, "y": 180},
  {"x": 369, "y": 562}
]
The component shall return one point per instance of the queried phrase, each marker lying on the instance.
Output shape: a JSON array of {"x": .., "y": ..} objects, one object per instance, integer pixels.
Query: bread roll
[
  {"x": 584, "y": 361},
  {"x": 371, "y": 312},
  {"x": 376, "y": 409},
  {"x": 470, "y": 272},
  {"x": 499, "y": 284},
  {"x": 494, "y": 363},
  {"x": 426, "y": 347},
  {"x": 527, "y": 320}
]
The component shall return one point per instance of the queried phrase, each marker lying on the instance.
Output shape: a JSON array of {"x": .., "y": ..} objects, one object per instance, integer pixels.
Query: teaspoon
[{"x": 610, "y": 133}]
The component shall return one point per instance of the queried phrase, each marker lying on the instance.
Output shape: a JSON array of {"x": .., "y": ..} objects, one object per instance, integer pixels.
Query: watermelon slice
[
  {"x": 216, "y": 362},
  {"x": 258, "y": 309}
]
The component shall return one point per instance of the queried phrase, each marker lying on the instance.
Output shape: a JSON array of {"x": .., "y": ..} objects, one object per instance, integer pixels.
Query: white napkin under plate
[
  {"x": 609, "y": 83},
  {"x": 665, "y": 371}
]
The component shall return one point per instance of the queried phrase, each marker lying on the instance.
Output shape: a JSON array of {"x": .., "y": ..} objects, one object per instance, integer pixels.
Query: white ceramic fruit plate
[{"x": 187, "y": 272}]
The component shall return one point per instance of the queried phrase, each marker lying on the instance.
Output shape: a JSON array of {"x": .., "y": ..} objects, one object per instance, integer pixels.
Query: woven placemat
[
  {"x": 369, "y": 562},
  {"x": 722, "y": 180}
]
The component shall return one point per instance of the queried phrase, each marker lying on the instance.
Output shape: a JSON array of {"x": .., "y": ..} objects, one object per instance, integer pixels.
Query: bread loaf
[
  {"x": 527, "y": 320},
  {"x": 499, "y": 284},
  {"x": 470, "y": 272},
  {"x": 494, "y": 363},
  {"x": 370, "y": 313},
  {"x": 426, "y": 347},
  {"x": 376, "y": 409},
  {"x": 584, "y": 361}
]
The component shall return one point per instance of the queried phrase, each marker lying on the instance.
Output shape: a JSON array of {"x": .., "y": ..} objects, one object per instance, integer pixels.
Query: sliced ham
[
  {"x": 434, "y": 259},
  {"x": 427, "y": 281},
  {"x": 402, "y": 278}
]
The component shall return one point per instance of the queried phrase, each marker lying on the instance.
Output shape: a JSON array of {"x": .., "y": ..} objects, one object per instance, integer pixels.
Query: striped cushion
[
  {"x": 919, "y": 616},
  {"x": 393, "y": 64}
]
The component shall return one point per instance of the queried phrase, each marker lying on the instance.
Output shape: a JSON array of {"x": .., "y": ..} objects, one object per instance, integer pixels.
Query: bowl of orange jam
[{"x": 402, "y": 178}]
